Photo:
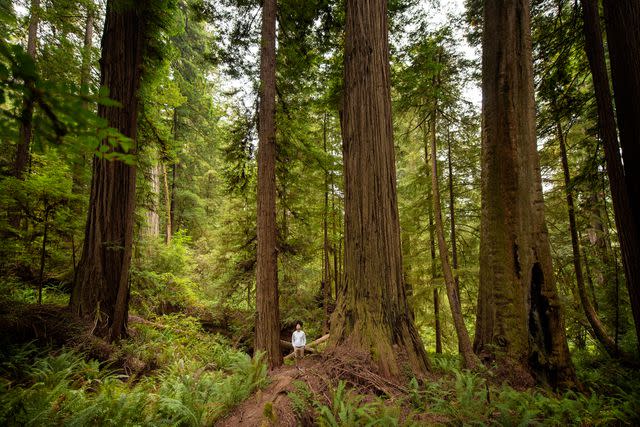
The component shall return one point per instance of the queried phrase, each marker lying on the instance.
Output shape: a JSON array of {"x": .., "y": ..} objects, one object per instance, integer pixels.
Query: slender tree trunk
[
  {"x": 26, "y": 120},
  {"x": 334, "y": 234},
  {"x": 79, "y": 161},
  {"x": 372, "y": 315},
  {"x": 172, "y": 207},
  {"x": 598, "y": 329},
  {"x": 326, "y": 267},
  {"x": 101, "y": 290},
  {"x": 153, "y": 219},
  {"x": 268, "y": 320},
  {"x": 436, "y": 310},
  {"x": 589, "y": 275},
  {"x": 622, "y": 19},
  {"x": 87, "y": 46},
  {"x": 167, "y": 204},
  {"x": 519, "y": 315},
  {"x": 452, "y": 215},
  {"x": 43, "y": 253},
  {"x": 464, "y": 343},
  {"x": 432, "y": 251}
]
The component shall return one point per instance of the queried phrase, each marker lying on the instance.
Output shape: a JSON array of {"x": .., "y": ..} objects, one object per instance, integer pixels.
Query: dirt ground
[{"x": 271, "y": 406}]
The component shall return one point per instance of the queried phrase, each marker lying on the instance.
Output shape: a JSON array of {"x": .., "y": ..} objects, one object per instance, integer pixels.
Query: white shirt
[{"x": 298, "y": 339}]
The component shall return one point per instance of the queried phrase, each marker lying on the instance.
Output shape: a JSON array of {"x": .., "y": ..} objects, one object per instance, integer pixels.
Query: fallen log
[
  {"x": 289, "y": 346},
  {"x": 308, "y": 348}
]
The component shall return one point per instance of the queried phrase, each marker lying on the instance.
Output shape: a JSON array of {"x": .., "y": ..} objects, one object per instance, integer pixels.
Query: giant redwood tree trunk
[
  {"x": 372, "y": 314},
  {"x": 622, "y": 19},
  {"x": 519, "y": 316},
  {"x": 268, "y": 320},
  {"x": 101, "y": 289}
]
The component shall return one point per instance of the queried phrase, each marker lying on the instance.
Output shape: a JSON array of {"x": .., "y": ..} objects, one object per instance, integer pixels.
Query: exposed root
[{"x": 358, "y": 370}]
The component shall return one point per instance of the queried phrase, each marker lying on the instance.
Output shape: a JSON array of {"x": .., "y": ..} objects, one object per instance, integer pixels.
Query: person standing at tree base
[{"x": 298, "y": 341}]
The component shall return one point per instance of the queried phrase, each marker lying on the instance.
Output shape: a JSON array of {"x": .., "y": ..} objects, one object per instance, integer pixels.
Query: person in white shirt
[{"x": 298, "y": 341}]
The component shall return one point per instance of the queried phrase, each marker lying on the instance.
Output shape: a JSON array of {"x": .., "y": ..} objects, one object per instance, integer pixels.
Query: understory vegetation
[
  {"x": 176, "y": 375},
  {"x": 143, "y": 206},
  {"x": 460, "y": 397}
]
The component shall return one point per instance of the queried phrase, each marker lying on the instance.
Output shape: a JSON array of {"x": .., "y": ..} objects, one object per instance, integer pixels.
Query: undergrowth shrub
[
  {"x": 162, "y": 277},
  {"x": 464, "y": 397},
  {"x": 350, "y": 409},
  {"x": 62, "y": 388}
]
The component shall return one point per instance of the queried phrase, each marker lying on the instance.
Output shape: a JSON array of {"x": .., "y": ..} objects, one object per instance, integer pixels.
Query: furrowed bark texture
[
  {"x": 519, "y": 314},
  {"x": 372, "y": 314},
  {"x": 268, "y": 319},
  {"x": 101, "y": 290},
  {"x": 622, "y": 19}
]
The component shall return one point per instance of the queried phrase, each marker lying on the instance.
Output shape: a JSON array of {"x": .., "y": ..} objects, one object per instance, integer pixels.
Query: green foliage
[
  {"x": 161, "y": 277},
  {"x": 464, "y": 397},
  {"x": 301, "y": 398},
  {"x": 349, "y": 409},
  {"x": 64, "y": 388}
]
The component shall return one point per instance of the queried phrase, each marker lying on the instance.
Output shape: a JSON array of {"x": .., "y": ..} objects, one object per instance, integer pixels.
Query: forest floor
[
  {"x": 272, "y": 405},
  {"x": 171, "y": 370}
]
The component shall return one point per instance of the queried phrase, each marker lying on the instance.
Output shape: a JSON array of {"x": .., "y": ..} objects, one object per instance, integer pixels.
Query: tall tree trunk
[
  {"x": 153, "y": 219},
  {"x": 622, "y": 19},
  {"x": 43, "y": 253},
  {"x": 326, "y": 267},
  {"x": 87, "y": 46},
  {"x": 334, "y": 234},
  {"x": 432, "y": 252},
  {"x": 372, "y": 314},
  {"x": 167, "y": 204},
  {"x": 598, "y": 329},
  {"x": 464, "y": 343},
  {"x": 79, "y": 162},
  {"x": 174, "y": 184},
  {"x": 268, "y": 320},
  {"x": 101, "y": 290},
  {"x": 26, "y": 119},
  {"x": 452, "y": 215},
  {"x": 519, "y": 313}
]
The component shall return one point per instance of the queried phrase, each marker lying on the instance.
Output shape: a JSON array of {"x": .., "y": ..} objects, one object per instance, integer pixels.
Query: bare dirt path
[{"x": 271, "y": 406}]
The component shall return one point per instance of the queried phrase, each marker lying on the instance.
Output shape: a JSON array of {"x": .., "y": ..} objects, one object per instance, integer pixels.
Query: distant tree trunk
[
  {"x": 326, "y": 267},
  {"x": 519, "y": 313},
  {"x": 167, "y": 204},
  {"x": 43, "y": 253},
  {"x": 172, "y": 205},
  {"x": 625, "y": 223},
  {"x": 26, "y": 119},
  {"x": 268, "y": 320},
  {"x": 432, "y": 251},
  {"x": 153, "y": 219},
  {"x": 334, "y": 249},
  {"x": 622, "y": 19},
  {"x": 87, "y": 46},
  {"x": 101, "y": 290},
  {"x": 598, "y": 329},
  {"x": 85, "y": 78},
  {"x": 372, "y": 314},
  {"x": 464, "y": 343},
  {"x": 452, "y": 215}
]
